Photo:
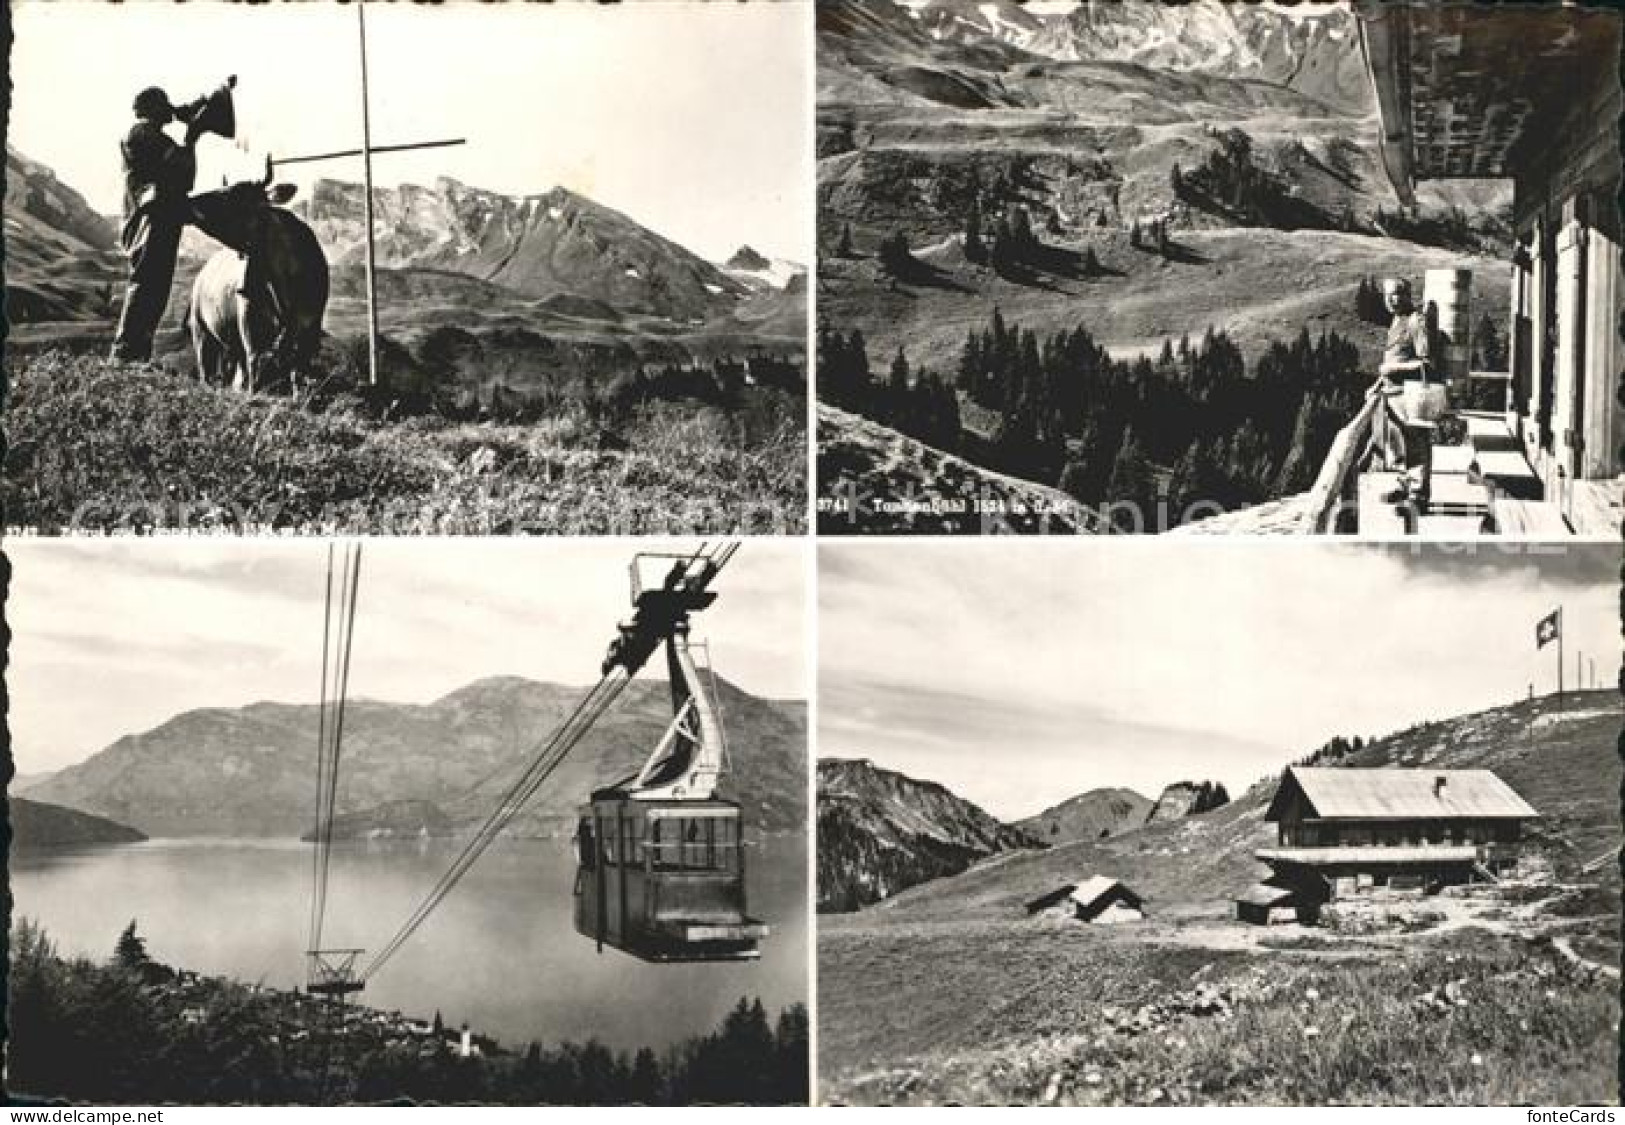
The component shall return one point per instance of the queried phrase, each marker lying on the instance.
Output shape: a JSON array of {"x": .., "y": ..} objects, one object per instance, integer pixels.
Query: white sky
[
  {"x": 112, "y": 638},
  {"x": 691, "y": 117},
  {"x": 1019, "y": 678}
]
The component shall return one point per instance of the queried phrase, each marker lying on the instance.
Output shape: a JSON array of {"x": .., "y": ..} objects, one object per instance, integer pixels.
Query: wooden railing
[{"x": 1338, "y": 480}]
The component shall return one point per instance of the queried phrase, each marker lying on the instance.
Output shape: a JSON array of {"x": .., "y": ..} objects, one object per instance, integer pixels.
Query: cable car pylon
[{"x": 330, "y": 973}]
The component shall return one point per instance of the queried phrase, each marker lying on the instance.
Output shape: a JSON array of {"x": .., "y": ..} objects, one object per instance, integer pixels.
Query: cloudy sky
[
  {"x": 1021, "y": 678},
  {"x": 691, "y": 117},
  {"x": 114, "y": 637}
]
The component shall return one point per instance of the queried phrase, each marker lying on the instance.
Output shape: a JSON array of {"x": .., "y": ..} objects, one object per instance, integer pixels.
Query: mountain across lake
[{"x": 419, "y": 769}]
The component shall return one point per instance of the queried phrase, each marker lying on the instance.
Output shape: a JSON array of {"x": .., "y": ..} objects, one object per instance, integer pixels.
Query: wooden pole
[
  {"x": 341, "y": 153},
  {"x": 366, "y": 158}
]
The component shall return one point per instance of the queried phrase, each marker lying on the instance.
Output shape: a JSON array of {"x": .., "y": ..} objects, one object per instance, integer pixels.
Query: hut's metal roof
[
  {"x": 1401, "y": 794},
  {"x": 1096, "y": 887},
  {"x": 1050, "y": 898}
]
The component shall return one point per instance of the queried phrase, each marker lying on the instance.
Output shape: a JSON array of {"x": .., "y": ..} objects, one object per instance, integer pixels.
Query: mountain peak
[
  {"x": 595, "y": 253},
  {"x": 1089, "y": 816},
  {"x": 746, "y": 258}
]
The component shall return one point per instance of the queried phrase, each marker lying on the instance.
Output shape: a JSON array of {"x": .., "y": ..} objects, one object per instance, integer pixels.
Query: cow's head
[{"x": 236, "y": 214}]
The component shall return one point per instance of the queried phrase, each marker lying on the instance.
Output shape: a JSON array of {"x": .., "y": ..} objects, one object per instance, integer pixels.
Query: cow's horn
[{"x": 266, "y": 182}]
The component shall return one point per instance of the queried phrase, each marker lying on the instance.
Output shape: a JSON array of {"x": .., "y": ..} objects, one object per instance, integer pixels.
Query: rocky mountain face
[
  {"x": 747, "y": 258},
  {"x": 36, "y": 826},
  {"x": 764, "y": 275},
  {"x": 1312, "y": 48},
  {"x": 1081, "y": 117},
  {"x": 1094, "y": 815},
  {"x": 535, "y": 245},
  {"x": 1187, "y": 798},
  {"x": 408, "y": 767},
  {"x": 34, "y": 192},
  {"x": 955, "y": 20},
  {"x": 62, "y": 257},
  {"x": 880, "y": 832}
]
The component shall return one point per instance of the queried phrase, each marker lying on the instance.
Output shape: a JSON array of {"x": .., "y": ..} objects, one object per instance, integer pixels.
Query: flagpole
[{"x": 1560, "y": 654}]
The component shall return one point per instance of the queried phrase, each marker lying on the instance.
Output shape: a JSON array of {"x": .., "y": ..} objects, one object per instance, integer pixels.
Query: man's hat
[{"x": 151, "y": 101}]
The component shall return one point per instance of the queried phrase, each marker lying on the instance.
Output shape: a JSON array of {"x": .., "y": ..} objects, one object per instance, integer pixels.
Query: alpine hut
[{"x": 1344, "y": 830}]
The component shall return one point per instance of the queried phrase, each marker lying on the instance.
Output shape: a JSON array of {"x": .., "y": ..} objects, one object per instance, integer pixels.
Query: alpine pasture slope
[
  {"x": 949, "y": 992},
  {"x": 547, "y": 364},
  {"x": 928, "y": 110}
]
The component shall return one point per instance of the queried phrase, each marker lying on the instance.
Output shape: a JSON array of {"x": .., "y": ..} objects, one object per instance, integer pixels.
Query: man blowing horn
[{"x": 158, "y": 179}]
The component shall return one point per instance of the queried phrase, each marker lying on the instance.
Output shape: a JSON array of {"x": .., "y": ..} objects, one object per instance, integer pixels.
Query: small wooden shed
[
  {"x": 1098, "y": 899},
  {"x": 1262, "y": 904}
]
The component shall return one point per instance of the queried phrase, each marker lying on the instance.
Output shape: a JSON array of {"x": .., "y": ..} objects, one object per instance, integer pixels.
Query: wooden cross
[{"x": 366, "y": 153}]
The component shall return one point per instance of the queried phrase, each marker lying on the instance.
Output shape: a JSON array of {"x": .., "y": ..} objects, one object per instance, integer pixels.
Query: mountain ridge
[
  {"x": 40, "y": 825},
  {"x": 537, "y": 245},
  {"x": 247, "y": 771},
  {"x": 880, "y": 831},
  {"x": 1092, "y": 815}
]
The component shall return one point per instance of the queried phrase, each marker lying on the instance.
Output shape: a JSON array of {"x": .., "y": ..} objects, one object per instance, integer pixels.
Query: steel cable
[{"x": 551, "y": 755}]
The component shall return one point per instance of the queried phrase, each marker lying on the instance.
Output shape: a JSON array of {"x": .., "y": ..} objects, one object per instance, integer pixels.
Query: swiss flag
[{"x": 1549, "y": 629}]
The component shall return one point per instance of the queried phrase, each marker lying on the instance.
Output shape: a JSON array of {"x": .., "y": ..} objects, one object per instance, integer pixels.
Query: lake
[{"x": 500, "y": 952}]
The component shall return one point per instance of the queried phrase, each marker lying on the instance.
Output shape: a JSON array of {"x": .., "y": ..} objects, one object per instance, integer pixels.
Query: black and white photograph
[
  {"x": 508, "y": 822},
  {"x": 812, "y": 553},
  {"x": 1218, "y": 823},
  {"x": 408, "y": 268},
  {"x": 1240, "y": 268}
]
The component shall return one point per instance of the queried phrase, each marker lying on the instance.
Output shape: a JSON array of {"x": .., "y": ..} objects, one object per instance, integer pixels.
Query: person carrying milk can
[{"x": 1413, "y": 398}]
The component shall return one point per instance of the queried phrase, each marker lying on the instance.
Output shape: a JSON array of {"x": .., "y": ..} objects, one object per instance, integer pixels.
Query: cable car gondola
[
  {"x": 660, "y": 861},
  {"x": 660, "y": 857}
]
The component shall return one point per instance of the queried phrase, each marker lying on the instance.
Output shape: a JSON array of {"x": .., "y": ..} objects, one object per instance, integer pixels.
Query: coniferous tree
[
  {"x": 131, "y": 950},
  {"x": 645, "y": 1085},
  {"x": 897, "y": 387},
  {"x": 895, "y": 256},
  {"x": 975, "y": 248},
  {"x": 1130, "y": 487}
]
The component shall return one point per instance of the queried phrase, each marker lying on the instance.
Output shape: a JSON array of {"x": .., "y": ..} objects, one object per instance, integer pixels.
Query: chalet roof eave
[
  {"x": 1382, "y": 46},
  {"x": 1358, "y": 819},
  {"x": 1373, "y": 854}
]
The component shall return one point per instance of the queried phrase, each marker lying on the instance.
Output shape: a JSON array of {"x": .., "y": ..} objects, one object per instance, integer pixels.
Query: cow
[{"x": 256, "y": 313}]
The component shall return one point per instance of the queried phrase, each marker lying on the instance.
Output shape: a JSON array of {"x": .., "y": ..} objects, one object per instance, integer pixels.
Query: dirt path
[{"x": 1562, "y": 946}]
